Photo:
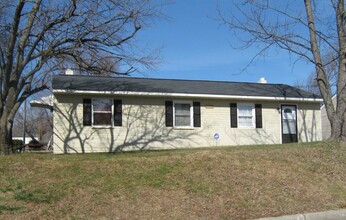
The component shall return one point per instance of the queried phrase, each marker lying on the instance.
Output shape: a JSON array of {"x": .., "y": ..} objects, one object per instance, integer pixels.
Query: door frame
[{"x": 281, "y": 124}]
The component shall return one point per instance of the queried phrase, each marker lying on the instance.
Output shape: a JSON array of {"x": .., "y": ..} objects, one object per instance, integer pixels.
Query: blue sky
[{"x": 196, "y": 46}]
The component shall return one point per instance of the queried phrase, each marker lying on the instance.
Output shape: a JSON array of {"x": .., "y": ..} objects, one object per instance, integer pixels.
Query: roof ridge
[{"x": 164, "y": 79}]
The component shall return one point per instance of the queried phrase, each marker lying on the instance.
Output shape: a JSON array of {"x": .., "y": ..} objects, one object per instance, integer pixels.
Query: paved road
[{"x": 328, "y": 215}]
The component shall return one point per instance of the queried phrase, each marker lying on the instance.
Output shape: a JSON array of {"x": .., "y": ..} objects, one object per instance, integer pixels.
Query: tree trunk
[
  {"x": 5, "y": 139},
  {"x": 340, "y": 122},
  {"x": 336, "y": 114},
  {"x": 338, "y": 126}
]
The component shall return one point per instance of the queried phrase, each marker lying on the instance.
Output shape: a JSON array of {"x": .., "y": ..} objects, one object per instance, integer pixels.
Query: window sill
[
  {"x": 248, "y": 128},
  {"x": 102, "y": 127},
  {"x": 183, "y": 128}
]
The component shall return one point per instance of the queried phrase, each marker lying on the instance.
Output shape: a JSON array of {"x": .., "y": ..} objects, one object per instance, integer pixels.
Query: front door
[{"x": 289, "y": 123}]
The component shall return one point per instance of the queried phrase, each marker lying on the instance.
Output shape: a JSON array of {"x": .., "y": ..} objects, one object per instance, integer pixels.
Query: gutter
[{"x": 184, "y": 95}]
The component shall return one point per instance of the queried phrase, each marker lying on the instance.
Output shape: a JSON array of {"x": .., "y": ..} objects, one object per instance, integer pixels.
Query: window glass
[
  {"x": 182, "y": 114},
  {"x": 246, "y": 116},
  {"x": 289, "y": 126},
  {"x": 102, "y": 105},
  {"x": 102, "y": 112},
  {"x": 289, "y": 113}
]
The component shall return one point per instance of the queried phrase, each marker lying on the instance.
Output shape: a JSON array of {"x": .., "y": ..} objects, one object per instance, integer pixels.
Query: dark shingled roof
[{"x": 128, "y": 84}]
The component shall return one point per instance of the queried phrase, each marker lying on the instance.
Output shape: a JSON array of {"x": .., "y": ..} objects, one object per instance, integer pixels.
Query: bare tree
[
  {"x": 39, "y": 37},
  {"x": 38, "y": 123},
  {"x": 310, "y": 83},
  {"x": 306, "y": 29}
]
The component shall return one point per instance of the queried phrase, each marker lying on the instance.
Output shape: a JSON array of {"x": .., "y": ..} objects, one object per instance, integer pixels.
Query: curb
[{"x": 328, "y": 215}]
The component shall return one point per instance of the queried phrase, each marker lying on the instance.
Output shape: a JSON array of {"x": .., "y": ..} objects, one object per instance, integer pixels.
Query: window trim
[
  {"x": 253, "y": 115},
  {"x": 92, "y": 114},
  {"x": 191, "y": 113}
]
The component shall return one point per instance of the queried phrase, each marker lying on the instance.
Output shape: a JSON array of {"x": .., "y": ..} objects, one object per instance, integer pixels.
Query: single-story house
[{"x": 106, "y": 114}]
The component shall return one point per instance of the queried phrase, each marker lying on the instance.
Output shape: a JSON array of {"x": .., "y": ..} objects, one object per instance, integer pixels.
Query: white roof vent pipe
[
  {"x": 262, "y": 80},
  {"x": 69, "y": 72}
]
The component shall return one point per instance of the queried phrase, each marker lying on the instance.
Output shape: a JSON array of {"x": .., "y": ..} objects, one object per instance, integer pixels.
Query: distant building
[{"x": 17, "y": 134}]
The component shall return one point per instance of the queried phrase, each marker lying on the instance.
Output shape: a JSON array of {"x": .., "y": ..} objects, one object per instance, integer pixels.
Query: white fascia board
[
  {"x": 184, "y": 95},
  {"x": 323, "y": 106}
]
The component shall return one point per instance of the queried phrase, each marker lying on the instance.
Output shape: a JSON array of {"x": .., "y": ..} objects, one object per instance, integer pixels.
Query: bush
[{"x": 17, "y": 143}]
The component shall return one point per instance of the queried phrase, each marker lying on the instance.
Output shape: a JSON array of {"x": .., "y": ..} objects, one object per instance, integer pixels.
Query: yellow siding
[
  {"x": 144, "y": 126},
  {"x": 309, "y": 122},
  {"x": 326, "y": 129}
]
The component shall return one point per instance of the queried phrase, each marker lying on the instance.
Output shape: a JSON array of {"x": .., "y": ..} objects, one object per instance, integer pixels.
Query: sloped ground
[{"x": 220, "y": 183}]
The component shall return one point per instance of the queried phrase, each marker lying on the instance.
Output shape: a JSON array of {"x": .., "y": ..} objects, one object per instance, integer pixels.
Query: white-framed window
[
  {"x": 246, "y": 115},
  {"x": 183, "y": 114},
  {"x": 102, "y": 112}
]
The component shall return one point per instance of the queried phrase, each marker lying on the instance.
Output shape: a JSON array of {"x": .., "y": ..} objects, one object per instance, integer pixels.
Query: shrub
[{"x": 17, "y": 143}]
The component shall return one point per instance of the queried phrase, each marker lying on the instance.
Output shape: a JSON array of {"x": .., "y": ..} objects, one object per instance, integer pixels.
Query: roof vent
[
  {"x": 69, "y": 72},
  {"x": 262, "y": 80}
]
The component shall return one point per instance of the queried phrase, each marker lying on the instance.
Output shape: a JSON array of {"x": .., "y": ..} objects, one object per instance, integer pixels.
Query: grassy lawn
[{"x": 219, "y": 183}]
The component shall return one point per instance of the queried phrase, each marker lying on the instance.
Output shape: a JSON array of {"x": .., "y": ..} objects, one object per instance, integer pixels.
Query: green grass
[
  {"x": 5, "y": 208},
  {"x": 231, "y": 182},
  {"x": 11, "y": 184},
  {"x": 37, "y": 196}
]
